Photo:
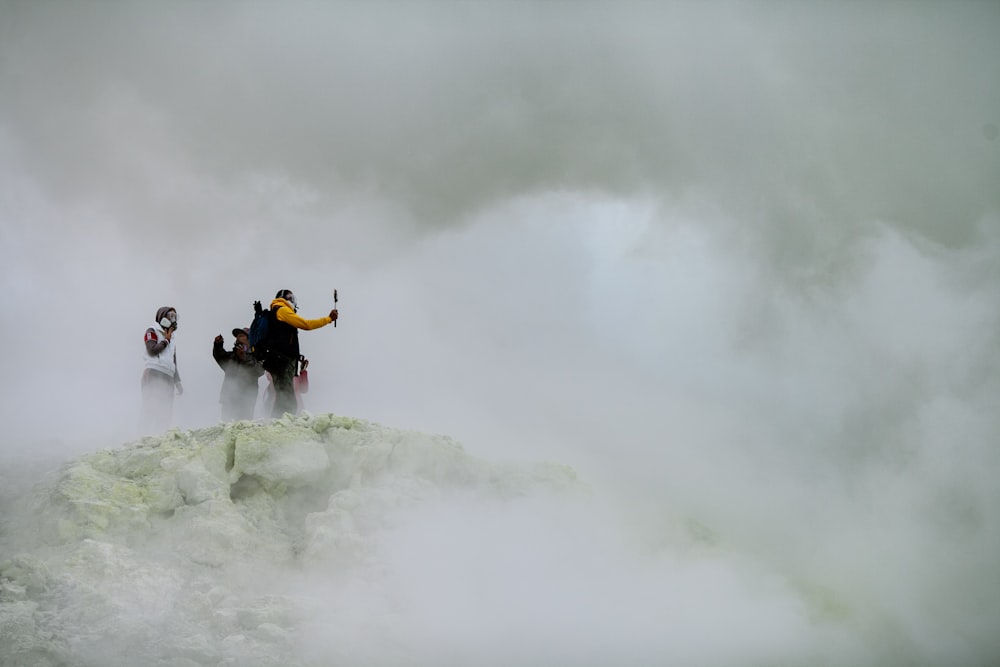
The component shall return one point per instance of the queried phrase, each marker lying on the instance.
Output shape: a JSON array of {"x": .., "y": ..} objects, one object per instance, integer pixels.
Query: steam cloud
[{"x": 738, "y": 259}]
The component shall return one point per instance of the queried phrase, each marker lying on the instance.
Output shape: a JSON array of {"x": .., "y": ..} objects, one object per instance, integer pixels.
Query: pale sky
[
  {"x": 740, "y": 256},
  {"x": 558, "y": 215},
  {"x": 592, "y": 222}
]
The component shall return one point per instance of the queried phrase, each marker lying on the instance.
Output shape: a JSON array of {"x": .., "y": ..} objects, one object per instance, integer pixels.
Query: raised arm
[
  {"x": 218, "y": 351},
  {"x": 289, "y": 316}
]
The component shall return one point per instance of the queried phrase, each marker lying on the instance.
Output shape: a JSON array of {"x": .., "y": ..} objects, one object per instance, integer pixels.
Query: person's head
[
  {"x": 288, "y": 296},
  {"x": 166, "y": 317},
  {"x": 242, "y": 345}
]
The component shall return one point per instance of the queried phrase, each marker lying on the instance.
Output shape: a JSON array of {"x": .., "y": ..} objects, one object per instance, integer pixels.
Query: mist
[{"x": 729, "y": 261}]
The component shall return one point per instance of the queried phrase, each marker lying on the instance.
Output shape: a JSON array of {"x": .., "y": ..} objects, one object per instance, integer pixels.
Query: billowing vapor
[{"x": 729, "y": 261}]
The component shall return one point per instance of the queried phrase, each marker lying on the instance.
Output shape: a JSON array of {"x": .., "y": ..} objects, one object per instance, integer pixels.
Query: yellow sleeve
[{"x": 289, "y": 316}]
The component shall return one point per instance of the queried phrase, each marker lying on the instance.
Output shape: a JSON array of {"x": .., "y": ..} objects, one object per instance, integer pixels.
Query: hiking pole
[{"x": 335, "y": 307}]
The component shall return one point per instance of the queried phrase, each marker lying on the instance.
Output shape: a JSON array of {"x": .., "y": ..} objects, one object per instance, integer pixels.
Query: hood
[
  {"x": 161, "y": 312},
  {"x": 277, "y": 303}
]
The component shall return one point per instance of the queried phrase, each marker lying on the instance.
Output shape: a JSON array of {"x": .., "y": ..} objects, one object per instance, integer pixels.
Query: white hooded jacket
[{"x": 164, "y": 361}]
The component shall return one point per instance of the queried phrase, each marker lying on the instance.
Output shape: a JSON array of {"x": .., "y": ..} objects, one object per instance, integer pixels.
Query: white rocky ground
[
  {"x": 221, "y": 546},
  {"x": 318, "y": 541}
]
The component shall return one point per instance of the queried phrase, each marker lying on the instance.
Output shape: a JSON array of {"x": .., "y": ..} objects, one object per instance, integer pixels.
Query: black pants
[{"x": 283, "y": 378}]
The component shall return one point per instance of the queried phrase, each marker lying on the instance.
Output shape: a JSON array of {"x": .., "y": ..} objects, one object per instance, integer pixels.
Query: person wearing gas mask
[
  {"x": 282, "y": 362},
  {"x": 239, "y": 386},
  {"x": 160, "y": 378}
]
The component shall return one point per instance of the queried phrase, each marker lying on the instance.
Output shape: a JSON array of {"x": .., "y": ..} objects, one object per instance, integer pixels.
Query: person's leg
[
  {"x": 284, "y": 390},
  {"x": 147, "y": 412},
  {"x": 244, "y": 407},
  {"x": 166, "y": 403},
  {"x": 157, "y": 401}
]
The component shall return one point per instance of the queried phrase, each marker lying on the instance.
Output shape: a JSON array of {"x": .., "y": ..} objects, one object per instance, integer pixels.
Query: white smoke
[
  {"x": 319, "y": 540},
  {"x": 731, "y": 262}
]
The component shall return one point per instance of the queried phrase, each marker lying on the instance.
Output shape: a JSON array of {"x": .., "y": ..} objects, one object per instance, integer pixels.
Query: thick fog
[{"x": 738, "y": 261}]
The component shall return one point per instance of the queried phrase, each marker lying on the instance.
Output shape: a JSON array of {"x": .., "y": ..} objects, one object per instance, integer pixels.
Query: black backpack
[{"x": 258, "y": 338}]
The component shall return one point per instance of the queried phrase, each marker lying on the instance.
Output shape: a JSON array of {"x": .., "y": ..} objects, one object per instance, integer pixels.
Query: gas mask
[{"x": 170, "y": 321}]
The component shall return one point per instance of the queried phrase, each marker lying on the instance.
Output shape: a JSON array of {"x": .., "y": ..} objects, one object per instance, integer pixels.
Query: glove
[
  {"x": 333, "y": 314},
  {"x": 218, "y": 339}
]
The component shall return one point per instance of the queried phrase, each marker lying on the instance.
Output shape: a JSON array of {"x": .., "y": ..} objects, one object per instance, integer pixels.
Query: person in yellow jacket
[{"x": 282, "y": 360}]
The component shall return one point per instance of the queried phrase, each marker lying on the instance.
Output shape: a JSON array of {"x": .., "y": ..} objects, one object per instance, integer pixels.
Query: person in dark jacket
[
  {"x": 239, "y": 386},
  {"x": 283, "y": 348},
  {"x": 160, "y": 378}
]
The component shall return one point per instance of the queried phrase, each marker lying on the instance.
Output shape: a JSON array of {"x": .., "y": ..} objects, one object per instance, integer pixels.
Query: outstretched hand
[{"x": 333, "y": 315}]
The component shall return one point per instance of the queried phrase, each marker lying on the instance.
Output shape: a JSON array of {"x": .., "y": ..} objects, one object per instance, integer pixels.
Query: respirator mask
[{"x": 169, "y": 322}]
